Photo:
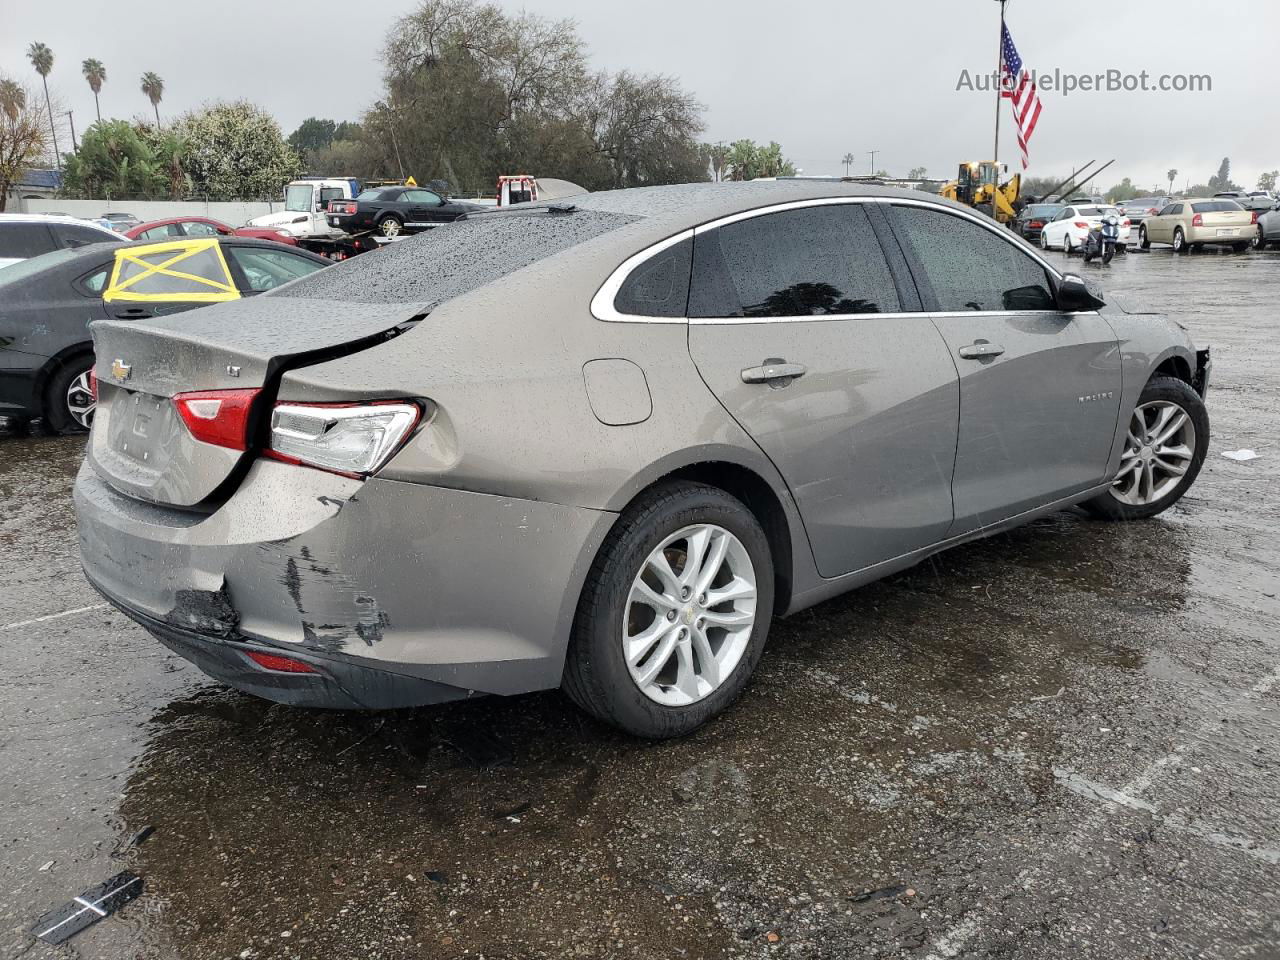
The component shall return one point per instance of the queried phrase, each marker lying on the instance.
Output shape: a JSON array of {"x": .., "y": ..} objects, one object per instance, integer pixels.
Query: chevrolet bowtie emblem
[{"x": 120, "y": 370}]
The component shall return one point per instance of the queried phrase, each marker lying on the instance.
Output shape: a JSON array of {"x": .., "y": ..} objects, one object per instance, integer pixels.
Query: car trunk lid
[{"x": 140, "y": 444}]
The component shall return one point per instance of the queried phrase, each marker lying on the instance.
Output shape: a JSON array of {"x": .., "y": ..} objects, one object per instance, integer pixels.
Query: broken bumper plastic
[{"x": 440, "y": 591}]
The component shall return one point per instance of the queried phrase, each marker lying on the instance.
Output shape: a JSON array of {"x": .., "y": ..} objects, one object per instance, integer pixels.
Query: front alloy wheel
[
  {"x": 390, "y": 227},
  {"x": 1157, "y": 453},
  {"x": 1165, "y": 444},
  {"x": 689, "y": 615}
]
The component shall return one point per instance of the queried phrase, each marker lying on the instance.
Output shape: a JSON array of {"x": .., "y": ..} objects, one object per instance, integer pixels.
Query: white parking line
[{"x": 53, "y": 616}]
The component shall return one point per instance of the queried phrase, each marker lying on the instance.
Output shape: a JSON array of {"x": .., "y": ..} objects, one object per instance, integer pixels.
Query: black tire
[
  {"x": 596, "y": 676},
  {"x": 1067, "y": 246},
  {"x": 1180, "y": 244},
  {"x": 58, "y": 417},
  {"x": 1143, "y": 242},
  {"x": 390, "y": 225},
  {"x": 1177, "y": 391},
  {"x": 1108, "y": 254}
]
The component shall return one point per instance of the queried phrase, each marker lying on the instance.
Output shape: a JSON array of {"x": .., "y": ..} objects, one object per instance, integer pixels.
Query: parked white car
[
  {"x": 26, "y": 235},
  {"x": 1067, "y": 231}
]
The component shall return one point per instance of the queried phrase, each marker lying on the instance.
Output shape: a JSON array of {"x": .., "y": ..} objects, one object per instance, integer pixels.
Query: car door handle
[
  {"x": 773, "y": 370},
  {"x": 981, "y": 350}
]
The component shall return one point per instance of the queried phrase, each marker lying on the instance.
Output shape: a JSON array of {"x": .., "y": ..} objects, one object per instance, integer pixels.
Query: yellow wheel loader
[{"x": 978, "y": 185}]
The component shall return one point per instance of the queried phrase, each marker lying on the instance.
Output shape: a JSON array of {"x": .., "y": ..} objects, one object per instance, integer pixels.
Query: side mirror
[{"x": 1072, "y": 295}]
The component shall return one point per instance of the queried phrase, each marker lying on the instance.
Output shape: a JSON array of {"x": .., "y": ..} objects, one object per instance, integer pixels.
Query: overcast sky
[{"x": 822, "y": 77}]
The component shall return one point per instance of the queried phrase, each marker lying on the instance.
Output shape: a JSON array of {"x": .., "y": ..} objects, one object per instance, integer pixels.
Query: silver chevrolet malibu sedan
[{"x": 600, "y": 444}]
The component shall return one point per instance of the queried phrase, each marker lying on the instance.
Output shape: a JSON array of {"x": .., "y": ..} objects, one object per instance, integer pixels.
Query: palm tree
[
  {"x": 848, "y": 162},
  {"x": 95, "y": 73},
  {"x": 41, "y": 58},
  {"x": 13, "y": 99},
  {"x": 1173, "y": 175},
  {"x": 153, "y": 87}
]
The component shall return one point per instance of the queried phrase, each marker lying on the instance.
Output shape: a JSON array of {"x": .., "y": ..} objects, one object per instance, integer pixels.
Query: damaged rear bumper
[{"x": 397, "y": 593}]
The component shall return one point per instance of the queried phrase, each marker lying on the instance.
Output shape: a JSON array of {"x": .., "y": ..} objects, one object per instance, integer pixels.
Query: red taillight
[
  {"x": 1197, "y": 220},
  {"x": 1037, "y": 223},
  {"x": 219, "y": 417},
  {"x": 1254, "y": 217},
  {"x": 93, "y": 383},
  {"x": 1124, "y": 223},
  {"x": 1082, "y": 225},
  {"x": 1153, "y": 212},
  {"x": 269, "y": 661}
]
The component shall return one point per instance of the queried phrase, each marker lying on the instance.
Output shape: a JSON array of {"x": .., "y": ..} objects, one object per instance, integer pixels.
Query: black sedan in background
[
  {"x": 48, "y": 302},
  {"x": 395, "y": 210},
  {"x": 1033, "y": 218}
]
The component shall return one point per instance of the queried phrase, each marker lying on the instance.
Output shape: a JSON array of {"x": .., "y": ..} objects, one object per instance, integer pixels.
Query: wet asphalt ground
[{"x": 1060, "y": 742}]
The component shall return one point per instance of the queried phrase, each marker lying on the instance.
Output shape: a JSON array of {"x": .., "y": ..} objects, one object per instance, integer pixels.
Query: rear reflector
[
  {"x": 270, "y": 661},
  {"x": 219, "y": 417},
  {"x": 93, "y": 383}
]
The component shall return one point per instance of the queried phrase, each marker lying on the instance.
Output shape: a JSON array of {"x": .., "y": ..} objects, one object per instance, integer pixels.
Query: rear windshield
[
  {"x": 375, "y": 194},
  {"x": 1095, "y": 211},
  {"x": 454, "y": 259},
  {"x": 1215, "y": 206},
  {"x": 1043, "y": 209},
  {"x": 1144, "y": 202}
]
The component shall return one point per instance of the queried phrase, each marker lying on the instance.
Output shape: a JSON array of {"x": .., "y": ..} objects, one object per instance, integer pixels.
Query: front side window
[
  {"x": 197, "y": 228},
  {"x": 421, "y": 196},
  {"x": 807, "y": 262},
  {"x": 968, "y": 267},
  {"x": 268, "y": 269}
]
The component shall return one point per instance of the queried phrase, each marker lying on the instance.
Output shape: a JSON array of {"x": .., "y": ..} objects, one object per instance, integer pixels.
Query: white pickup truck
[{"x": 305, "y": 203}]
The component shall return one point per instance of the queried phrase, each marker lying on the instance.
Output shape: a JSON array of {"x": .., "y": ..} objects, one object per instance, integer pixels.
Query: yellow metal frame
[{"x": 183, "y": 249}]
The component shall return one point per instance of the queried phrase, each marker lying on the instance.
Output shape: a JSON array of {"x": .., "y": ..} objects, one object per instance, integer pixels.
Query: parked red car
[{"x": 176, "y": 228}]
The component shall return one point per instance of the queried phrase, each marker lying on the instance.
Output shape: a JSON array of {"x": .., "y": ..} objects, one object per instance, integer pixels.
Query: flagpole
[{"x": 995, "y": 156}]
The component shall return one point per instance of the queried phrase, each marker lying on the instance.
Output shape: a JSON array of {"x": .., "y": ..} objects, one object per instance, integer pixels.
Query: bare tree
[{"x": 23, "y": 137}]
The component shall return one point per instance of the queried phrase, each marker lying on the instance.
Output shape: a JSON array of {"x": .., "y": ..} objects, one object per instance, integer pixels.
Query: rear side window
[
  {"x": 196, "y": 228},
  {"x": 968, "y": 267},
  {"x": 74, "y": 235},
  {"x": 811, "y": 261},
  {"x": 22, "y": 240},
  {"x": 161, "y": 233},
  {"x": 659, "y": 287}
]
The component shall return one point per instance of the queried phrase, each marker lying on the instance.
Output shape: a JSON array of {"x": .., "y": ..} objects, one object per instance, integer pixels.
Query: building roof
[{"x": 41, "y": 179}]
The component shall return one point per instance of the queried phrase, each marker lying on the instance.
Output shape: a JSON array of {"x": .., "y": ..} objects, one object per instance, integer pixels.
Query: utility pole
[
  {"x": 872, "y": 154},
  {"x": 71, "y": 120},
  {"x": 995, "y": 155}
]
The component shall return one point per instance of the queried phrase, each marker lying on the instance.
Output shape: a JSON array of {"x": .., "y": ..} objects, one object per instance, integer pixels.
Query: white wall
[{"x": 233, "y": 214}]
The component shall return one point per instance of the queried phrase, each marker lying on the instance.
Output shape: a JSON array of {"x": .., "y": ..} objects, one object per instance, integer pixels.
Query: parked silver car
[{"x": 599, "y": 444}]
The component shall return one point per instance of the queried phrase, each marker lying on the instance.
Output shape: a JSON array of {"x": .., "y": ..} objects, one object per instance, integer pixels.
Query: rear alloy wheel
[
  {"x": 1044, "y": 241},
  {"x": 390, "y": 226},
  {"x": 674, "y": 614},
  {"x": 1066, "y": 244},
  {"x": 1144, "y": 243},
  {"x": 1180, "y": 242},
  {"x": 1164, "y": 448},
  {"x": 69, "y": 403}
]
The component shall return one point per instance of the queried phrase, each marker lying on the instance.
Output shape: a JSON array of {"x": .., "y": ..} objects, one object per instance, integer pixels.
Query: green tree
[
  {"x": 235, "y": 151},
  {"x": 169, "y": 150},
  {"x": 918, "y": 173},
  {"x": 1268, "y": 180},
  {"x": 471, "y": 92},
  {"x": 114, "y": 162},
  {"x": 1222, "y": 179},
  {"x": 1124, "y": 190},
  {"x": 153, "y": 87},
  {"x": 748, "y": 160},
  {"x": 41, "y": 58},
  {"x": 312, "y": 134},
  {"x": 96, "y": 74},
  {"x": 23, "y": 136}
]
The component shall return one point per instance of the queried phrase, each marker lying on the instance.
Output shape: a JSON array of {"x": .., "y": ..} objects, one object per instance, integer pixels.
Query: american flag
[{"x": 1018, "y": 86}]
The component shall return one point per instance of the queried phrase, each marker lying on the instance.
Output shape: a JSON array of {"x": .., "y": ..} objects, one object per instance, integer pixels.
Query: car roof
[
  {"x": 189, "y": 218},
  {"x": 49, "y": 218}
]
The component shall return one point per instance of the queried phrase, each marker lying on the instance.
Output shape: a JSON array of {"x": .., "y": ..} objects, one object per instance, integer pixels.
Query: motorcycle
[{"x": 1103, "y": 240}]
